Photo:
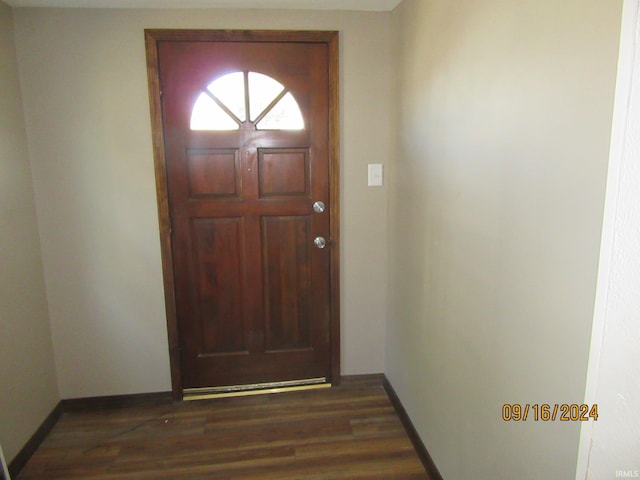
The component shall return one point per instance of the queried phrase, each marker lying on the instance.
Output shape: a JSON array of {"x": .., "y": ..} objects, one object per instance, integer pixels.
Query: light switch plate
[{"x": 375, "y": 175}]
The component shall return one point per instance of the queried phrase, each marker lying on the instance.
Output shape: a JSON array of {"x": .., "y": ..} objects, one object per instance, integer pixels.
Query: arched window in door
[{"x": 240, "y": 97}]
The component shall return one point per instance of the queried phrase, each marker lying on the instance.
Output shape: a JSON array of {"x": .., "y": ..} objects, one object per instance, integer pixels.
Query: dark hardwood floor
[{"x": 351, "y": 431}]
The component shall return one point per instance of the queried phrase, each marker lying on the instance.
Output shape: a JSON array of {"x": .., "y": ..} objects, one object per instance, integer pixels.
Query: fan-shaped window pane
[
  {"x": 207, "y": 115},
  {"x": 229, "y": 89},
  {"x": 223, "y": 105},
  {"x": 262, "y": 91},
  {"x": 285, "y": 115}
]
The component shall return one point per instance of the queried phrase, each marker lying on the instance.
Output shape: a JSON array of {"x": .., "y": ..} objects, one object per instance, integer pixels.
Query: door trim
[{"x": 331, "y": 39}]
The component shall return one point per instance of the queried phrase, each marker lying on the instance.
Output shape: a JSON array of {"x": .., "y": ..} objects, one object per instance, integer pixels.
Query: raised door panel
[
  {"x": 218, "y": 265},
  {"x": 213, "y": 173},
  {"x": 287, "y": 282},
  {"x": 284, "y": 172}
]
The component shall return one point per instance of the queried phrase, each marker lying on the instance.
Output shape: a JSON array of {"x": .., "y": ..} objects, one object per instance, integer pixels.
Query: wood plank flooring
[{"x": 351, "y": 431}]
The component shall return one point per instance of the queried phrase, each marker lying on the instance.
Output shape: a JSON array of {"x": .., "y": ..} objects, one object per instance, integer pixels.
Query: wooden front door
[{"x": 247, "y": 178}]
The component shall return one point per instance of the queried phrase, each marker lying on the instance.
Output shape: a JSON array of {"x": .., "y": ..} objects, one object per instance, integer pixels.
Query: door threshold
[{"x": 254, "y": 389}]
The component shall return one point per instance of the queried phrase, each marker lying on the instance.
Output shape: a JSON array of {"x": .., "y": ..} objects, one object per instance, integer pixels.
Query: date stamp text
[{"x": 544, "y": 412}]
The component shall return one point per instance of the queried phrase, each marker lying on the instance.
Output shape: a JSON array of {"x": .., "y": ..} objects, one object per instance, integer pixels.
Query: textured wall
[
  {"x": 86, "y": 103},
  {"x": 495, "y": 215},
  {"x": 27, "y": 373}
]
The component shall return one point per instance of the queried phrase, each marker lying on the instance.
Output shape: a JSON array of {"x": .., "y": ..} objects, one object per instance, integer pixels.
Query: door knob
[
  {"x": 320, "y": 242},
  {"x": 319, "y": 207}
]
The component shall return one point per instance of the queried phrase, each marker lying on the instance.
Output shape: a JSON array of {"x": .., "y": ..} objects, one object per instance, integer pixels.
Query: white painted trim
[
  {"x": 5, "y": 467},
  {"x": 626, "y": 70}
]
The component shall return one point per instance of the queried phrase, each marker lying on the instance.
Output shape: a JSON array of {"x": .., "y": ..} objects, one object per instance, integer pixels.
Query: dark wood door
[{"x": 246, "y": 136}]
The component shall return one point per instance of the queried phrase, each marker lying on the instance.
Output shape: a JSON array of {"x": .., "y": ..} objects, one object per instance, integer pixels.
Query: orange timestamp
[{"x": 545, "y": 412}]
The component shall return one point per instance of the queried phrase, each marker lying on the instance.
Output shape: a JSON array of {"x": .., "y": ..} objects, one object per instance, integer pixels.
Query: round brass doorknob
[{"x": 320, "y": 242}]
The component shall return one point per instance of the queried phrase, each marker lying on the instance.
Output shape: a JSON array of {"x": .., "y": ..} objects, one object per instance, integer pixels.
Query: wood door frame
[{"x": 331, "y": 39}]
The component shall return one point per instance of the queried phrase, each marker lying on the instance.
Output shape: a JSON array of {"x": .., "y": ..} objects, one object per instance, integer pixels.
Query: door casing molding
[{"x": 331, "y": 39}]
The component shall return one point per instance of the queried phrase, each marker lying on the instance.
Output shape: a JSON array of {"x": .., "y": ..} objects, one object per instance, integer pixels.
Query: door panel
[
  {"x": 284, "y": 172},
  {"x": 213, "y": 173},
  {"x": 287, "y": 282},
  {"x": 218, "y": 265},
  {"x": 253, "y": 300}
]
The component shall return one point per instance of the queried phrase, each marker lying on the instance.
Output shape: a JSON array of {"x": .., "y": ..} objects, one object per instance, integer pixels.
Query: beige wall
[
  {"x": 27, "y": 373},
  {"x": 85, "y": 92},
  {"x": 495, "y": 211}
]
